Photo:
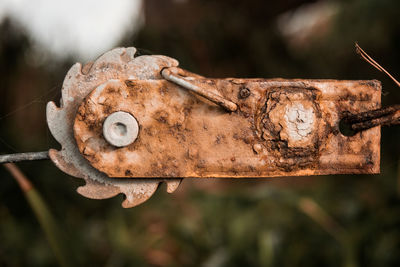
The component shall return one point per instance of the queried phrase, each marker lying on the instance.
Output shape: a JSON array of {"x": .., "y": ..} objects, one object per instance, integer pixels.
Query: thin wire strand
[
  {"x": 380, "y": 117},
  {"x": 17, "y": 157},
  {"x": 39, "y": 99},
  {"x": 375, "y": 64},
  {"x": 34, "y": 101}
]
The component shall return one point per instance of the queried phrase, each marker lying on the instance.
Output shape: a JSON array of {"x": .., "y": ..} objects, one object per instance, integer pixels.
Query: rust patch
[{"x": 290, "y": 123}]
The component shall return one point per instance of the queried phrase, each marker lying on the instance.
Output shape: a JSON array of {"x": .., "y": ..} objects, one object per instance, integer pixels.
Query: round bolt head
[
  {"x": 120, "y": 129},
  {"x": 244, "y": 92}
]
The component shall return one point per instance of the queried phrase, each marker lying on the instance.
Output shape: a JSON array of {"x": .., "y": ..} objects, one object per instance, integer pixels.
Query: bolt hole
[
  {"x": 345, "y": 128},
  {"x": 119, "y": 129}
]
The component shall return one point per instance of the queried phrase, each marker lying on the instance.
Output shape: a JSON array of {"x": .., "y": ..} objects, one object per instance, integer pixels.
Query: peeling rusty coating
[
  {"x": 280, "y": 128},
  {"x": 119, "y": 63}
]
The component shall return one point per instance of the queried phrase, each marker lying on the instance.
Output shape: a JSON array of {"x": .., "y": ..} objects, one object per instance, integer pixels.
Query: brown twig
[
  {"x": 44, "y": 216},
  {"x": 312, "y": 209},
  {"x": 21, "y": 179},
  {"x": 375, "y": 64}
]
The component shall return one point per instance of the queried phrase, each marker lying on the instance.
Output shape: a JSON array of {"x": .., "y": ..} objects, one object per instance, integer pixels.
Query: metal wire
[
  {"x": 175, "y": 75},
  {"x": 17, "y": 157},
  {"x": 384, "y": 117}
]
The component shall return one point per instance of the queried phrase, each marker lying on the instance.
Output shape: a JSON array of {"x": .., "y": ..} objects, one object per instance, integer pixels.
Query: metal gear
[{"x": 121, "y": 64}]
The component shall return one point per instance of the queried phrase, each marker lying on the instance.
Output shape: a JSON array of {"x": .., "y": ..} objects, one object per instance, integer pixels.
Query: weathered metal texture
[
  {"x": 384, "y": 117},
  {"x": 280, "y": 128},
  {"x": 178, "y": 75},
  {"x": 119, "y": 63}
]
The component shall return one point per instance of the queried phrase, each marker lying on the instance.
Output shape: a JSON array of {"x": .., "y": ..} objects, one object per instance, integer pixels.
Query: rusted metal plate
[
  {"x": 179, "y": 124},
  {"x": 280, "y": 128}
]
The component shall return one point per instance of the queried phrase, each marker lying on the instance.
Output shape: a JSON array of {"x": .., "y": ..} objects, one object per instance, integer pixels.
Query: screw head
[
  {"x": 120, "y": 129},
  {"x": 244, "y": 92}
]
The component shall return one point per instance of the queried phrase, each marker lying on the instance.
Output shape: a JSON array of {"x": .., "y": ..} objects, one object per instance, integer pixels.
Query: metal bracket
[
  {"x": 127, "y": 123},
  {"x": 277, "y": 128}
]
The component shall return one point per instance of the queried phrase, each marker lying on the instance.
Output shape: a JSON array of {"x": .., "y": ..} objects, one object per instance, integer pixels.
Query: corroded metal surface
[
  {"x": 280, "y": 128},
  {"x": 119, "y": 63},
  {"x": 191, "y": 126},
  {"x": 386, "y": 116},
  {"x": 179, "y": 77}
]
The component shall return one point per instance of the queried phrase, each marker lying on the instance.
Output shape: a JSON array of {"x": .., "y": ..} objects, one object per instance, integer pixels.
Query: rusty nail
[{"x": 170, "y": 74}]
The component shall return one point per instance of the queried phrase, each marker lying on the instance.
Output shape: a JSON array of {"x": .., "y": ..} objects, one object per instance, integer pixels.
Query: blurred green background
[{"x": 342, "y": 220}]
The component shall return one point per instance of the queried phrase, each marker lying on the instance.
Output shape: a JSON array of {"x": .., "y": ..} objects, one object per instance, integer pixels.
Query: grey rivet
[{"x": 120, "y": 129}]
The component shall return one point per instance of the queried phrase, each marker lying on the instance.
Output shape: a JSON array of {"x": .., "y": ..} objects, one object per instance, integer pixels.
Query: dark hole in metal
[{"x": 345, "y": 128}]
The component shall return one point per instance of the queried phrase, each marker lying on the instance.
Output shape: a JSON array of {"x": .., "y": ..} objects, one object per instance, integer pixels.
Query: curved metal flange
[{"x": 119, "y": 63}]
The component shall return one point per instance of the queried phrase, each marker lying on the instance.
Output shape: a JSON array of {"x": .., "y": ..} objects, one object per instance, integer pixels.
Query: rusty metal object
[
  {"x": 282, "y": 128},
  {"x": 176, "y": 75},
  {"x": 389, "y": 120},
  {"x": 387, "y": 116},
  {"x": 119, "y": 63},
  {"x": 127, "y": 123}
]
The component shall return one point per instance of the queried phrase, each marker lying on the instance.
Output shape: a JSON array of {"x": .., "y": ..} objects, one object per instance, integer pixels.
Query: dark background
[{"x": 342, "y": 220}]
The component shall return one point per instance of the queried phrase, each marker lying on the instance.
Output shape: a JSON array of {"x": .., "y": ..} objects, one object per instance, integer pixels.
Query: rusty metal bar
[
  {"x": 384, "y": 116},
  {"x": 281, "y": 128},
  {"x": 388, "y": 120},
  {"x": 172, "y": 74}
]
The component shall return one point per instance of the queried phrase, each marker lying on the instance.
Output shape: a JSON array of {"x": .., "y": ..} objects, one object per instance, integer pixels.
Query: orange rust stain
[{"x": 281, "y": 128}]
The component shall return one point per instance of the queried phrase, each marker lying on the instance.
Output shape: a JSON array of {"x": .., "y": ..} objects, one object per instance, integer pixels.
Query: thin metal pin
[{"x": 219, "y": 100}]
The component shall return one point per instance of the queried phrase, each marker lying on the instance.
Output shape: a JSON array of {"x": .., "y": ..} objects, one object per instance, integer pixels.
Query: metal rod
[
  {"x": 375, "y": 64},
  {"x": 388, "y": 120},
  {"x": 168, "y": 74},
  {"x": 387, "y": 116},
  {"x": 372, "y": 114},
  {"x": 24, "y": 156}
]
